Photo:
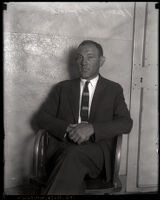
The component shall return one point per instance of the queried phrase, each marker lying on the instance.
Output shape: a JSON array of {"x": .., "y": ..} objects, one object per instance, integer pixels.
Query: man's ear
[{"x": 102, "y": 60}]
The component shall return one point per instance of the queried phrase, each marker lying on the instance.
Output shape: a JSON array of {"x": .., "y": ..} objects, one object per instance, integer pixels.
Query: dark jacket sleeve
[
  {"x": 47, "y": 116},
  {"x": 121, "y": 123}
]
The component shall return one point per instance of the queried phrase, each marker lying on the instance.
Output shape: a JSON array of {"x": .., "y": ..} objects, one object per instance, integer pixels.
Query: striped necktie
[{"x": 85, "y": 103}]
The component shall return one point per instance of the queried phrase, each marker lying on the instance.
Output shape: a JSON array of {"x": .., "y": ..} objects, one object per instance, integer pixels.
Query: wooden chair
[{"x": 93, "y": 186}]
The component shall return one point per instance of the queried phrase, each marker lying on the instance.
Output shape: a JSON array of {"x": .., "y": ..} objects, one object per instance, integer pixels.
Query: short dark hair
[{"x": 97, "y": 45}]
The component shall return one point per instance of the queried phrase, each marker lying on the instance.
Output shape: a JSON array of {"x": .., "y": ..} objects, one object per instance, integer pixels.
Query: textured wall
[{"x": 39, "y": 43}]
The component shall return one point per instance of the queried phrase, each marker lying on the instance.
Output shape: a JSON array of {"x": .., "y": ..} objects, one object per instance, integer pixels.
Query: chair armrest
[
  {"x": 41, "y": 139},
  {"x": 116, "y": 180}
]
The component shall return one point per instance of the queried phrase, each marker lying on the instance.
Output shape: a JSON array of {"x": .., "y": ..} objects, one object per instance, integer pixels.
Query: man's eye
[
  {"x": 90, "y": 57},
  {"x": 79, "y": 57}
]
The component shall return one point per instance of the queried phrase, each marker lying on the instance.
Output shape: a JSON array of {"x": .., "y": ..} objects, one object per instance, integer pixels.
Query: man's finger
[
  {"x": 75, "y": 138},
  {"x": 72, "y": 133},
  {"x": 80, "y": 140},
  {"x": 72, "y": 125}
]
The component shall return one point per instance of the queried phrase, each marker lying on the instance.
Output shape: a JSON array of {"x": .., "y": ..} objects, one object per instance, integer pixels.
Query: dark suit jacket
[{"x": 109, "y": 114}]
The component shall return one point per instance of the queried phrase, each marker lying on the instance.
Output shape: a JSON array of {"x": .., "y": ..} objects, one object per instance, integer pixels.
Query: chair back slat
[
  {"x": 116, "y": 181},
  {"x": 38, "y": 155}
]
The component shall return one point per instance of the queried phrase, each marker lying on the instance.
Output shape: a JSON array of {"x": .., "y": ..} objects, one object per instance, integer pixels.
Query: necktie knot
[{"x": 87, "y": 82}]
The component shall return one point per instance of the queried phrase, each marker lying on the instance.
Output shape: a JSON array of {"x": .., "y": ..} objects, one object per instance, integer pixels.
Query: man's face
[{"x": 89, "y": 61}]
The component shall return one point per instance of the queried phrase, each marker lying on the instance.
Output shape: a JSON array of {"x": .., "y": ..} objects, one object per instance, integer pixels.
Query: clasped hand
[{"x": 80, "y": 133}]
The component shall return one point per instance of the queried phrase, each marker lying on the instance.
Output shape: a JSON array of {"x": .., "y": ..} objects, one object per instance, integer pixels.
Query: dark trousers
[{"x": 68, "y": 164}]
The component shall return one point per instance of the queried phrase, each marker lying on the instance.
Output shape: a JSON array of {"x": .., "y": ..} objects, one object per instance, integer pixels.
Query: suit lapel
[
  {"x": 97, "y": 97},
  {"x": 74, "y": 98}
]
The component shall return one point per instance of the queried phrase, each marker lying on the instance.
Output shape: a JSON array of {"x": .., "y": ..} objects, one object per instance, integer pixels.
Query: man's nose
[{"x": 84, "y": 61}]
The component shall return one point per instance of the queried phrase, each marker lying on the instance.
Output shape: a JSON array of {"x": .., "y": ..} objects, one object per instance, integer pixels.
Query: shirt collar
[{"x": 92, "y": 81}]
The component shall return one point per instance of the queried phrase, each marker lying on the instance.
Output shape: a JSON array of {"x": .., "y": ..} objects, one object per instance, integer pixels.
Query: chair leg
[{"x": 117, "y": 185}]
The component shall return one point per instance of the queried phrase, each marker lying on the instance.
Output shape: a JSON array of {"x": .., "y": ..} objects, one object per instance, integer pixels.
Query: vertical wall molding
[{"x": 138, "y": 44}]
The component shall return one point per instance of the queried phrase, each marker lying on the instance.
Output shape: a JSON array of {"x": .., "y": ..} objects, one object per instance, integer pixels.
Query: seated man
[{"x": 83, "y": 116}]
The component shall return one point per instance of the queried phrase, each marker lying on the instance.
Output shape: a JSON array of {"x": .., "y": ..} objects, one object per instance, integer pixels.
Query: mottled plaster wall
[{"x": 39, "y": 43}]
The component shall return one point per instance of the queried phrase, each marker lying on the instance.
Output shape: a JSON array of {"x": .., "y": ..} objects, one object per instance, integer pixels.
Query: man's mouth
[{"x": 85, "y": 69}]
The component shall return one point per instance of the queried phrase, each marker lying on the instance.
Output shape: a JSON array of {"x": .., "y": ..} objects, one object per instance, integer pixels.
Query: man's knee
[
  {"x": 73, "y": 152},
  {"x": 74, "y": 155}
]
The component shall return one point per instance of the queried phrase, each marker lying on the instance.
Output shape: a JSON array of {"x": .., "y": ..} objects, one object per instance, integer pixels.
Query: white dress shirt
[{"x": 91, "y": 87}]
